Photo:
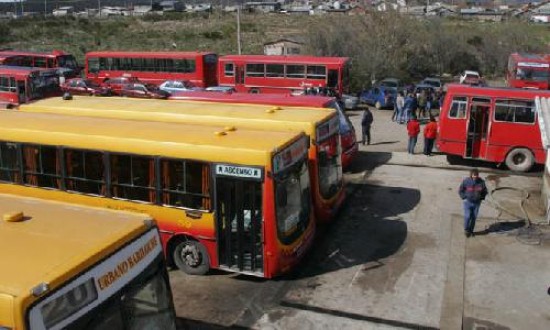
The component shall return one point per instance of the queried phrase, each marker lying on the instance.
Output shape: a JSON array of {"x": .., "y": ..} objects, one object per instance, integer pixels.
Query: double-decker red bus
[
  {"x": 348, "y": 140},
  {"x": 528, "y": 71},
  {"x": 284, "y": 74},
  {"x": 23, "y": 84},
  {"x": 492, "y": 124},
  {"x": 63, "y": 62},
  {"x": 153, "y": 67}
]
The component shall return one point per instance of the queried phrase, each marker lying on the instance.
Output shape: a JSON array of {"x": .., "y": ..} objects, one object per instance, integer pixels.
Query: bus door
[
  {"x": 478, "y": 124},
  {"x": 332, "y": 79},
  {"x": 239, "y": 219},
  {"x": 21, "y": 91},
  {"x": 239, "y": 74}
]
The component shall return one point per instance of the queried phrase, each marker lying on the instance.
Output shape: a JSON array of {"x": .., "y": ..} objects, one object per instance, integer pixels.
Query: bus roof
[
  {"x": 495, "y": 91},
  {"x": 250, "y": 116},
  {"x": 285, "y": 59},
  {"x": 53, "y": 53},
  {"x": 531, "y": 57},
  {"x": 146, "y": 54},
  {"x": 200, "y": 142},
  {"x": 270, "y": 99},
  {"x": 54, "y": 242}
]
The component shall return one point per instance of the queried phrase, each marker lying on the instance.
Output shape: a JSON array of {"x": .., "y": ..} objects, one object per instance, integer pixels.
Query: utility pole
[
  {"x": 45, "y": 7},
  {"x": 239, "y": 29},
  {"x": 99, "y": 8}
]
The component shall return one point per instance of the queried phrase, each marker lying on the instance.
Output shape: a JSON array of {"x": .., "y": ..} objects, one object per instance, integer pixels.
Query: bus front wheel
[
  {"x": 191, "y": 257},
  {"x": 520, "y": 160}
]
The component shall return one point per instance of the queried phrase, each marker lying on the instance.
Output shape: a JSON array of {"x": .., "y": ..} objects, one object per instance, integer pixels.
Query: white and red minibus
[
  {"x": 492, "y": 124},
  {"x": 528, "y": 71}
]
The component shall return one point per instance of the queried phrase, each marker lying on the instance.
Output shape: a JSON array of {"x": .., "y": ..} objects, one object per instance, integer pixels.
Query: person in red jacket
[
  {"x": 430, "y": 133},
  {"x": 413, "y": 128}
]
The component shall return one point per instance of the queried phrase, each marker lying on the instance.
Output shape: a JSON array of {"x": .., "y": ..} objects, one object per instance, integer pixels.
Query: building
[{"x": 283, "y": 47}]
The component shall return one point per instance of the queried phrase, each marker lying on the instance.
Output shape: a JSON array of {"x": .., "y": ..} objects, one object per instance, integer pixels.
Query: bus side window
[
  {"x": 133, "y": 177},
  {"x": 84, "y": 171},
  {"x": 458, "y": 107},
  {"x": 185, "y": 183},
  {"x": 9, "y": 163},
  {"x": 41, "y": 166}
]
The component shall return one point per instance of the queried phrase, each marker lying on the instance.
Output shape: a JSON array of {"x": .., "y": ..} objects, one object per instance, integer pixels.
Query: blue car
[{"x": 379, "y": 96}]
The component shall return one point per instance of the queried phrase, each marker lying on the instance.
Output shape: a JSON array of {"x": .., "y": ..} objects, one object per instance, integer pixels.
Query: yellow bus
[
  {"x": 223, "y": 197},
  {"x": 76, "y": 267},
  {"x": 322, "y": 126}
]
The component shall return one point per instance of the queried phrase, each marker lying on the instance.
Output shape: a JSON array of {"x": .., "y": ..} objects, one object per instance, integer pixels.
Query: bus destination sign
[{"x": 239, "y": 171}]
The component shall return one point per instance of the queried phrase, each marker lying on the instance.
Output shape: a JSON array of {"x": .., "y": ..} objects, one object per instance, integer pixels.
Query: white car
[
  {"x": 172, "y": 86},
  {"x": 350, "y": 102},
  {"x": 470, "y": 77},
  {"x": 434, "y": 82}
]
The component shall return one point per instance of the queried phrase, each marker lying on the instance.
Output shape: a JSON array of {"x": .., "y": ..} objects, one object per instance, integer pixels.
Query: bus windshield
[
  {"x": 292, "y": 202},
  {"x": 330, "y": 166},
  {"x": 146, "y": 303},
  {"x": 532, "y": 74},
  {"x": 67, "y": 61}
]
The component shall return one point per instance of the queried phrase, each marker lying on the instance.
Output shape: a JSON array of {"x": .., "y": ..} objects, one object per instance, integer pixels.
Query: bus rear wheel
[
  {"x": 520, "y": 160},
  {"x": 191, "y": 257}
]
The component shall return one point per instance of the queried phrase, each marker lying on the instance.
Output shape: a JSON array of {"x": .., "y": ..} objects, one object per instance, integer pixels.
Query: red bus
[
  {"x": 153, "y": 67},
  {"x": 23, "y": 84},
  {"x": 348, "y": 140},
  {"x": 528, "y": 71},
  {"x": 284, "y": 74},
  {"x": 63, "y": 62},
  {"x": 492, "y": 124}
]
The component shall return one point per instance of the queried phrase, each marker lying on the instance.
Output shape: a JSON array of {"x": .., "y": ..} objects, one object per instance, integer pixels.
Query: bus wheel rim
[
  {"x": 191, "y": 255},
  {"x": 519, "y": 159}
]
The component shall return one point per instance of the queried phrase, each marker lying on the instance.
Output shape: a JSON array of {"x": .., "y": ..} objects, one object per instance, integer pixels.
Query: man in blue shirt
[{"x": 472, "y": 191}]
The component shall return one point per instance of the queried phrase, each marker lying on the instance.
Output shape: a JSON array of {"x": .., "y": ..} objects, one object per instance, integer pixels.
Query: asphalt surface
[{"x": 396, "y": 256}]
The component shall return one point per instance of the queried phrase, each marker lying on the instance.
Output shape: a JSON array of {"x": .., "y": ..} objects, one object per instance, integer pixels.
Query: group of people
[
  {"x": 411, "y": 104},
  {"x": 413, "y": 130}
]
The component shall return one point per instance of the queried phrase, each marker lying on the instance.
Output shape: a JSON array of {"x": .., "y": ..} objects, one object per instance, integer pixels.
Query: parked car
[
  {"x": 79, "y": 86},
  {"x": 143, "y": 91},
  {"x": 350, "y": 102},
  {"x": 379, "y": 96},
  {"x": 117, "y": 84},
  {"x": 172, "y": 86},
  {"x": 221, "y": 89},
  {"x": 470, "y": 77},
  {"x": 392, "y": 83},
  {"x": 434, "y": 82}
]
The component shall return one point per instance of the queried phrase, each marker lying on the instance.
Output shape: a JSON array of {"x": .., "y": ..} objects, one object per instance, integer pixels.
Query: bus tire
[
  {"x": 520, "y": 160},
  {"x": 254, "y": 91},
  {"x": 378, "y": 105},
  {"x": 191, "y": 257}
]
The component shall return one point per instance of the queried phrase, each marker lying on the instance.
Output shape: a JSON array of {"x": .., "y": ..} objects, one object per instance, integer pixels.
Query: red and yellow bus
[
  {"x": 348, "y": 140},
  {"x": 284, "y": 74},
  {"x": 76, "y": 267},
  {"x": 153, "y": 67},
  {"x": 223, "y": 197},
  {"x": 492, "y": 124},
  {"x": 22, "y": 84},
  {"x": 528, "y": 71},
  {"x": 321, "y": 125},
  {"x": 64, "y": 63}
]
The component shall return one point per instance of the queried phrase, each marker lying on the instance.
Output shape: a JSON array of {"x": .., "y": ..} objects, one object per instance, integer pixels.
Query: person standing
[
  {"x": 413, "y": 129},
  {"x": 472, "y": 190},
  {"x": 407, "y": 107},
  {"x": 366, "y": 123},
  {"x": 430, "y": 133},
  {"x": 400, "y": 106},
  {"x": 422, "y": 99}
]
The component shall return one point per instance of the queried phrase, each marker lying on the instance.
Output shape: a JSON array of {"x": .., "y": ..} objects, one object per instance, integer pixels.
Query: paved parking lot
[{"x": 396, "y": 257}]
